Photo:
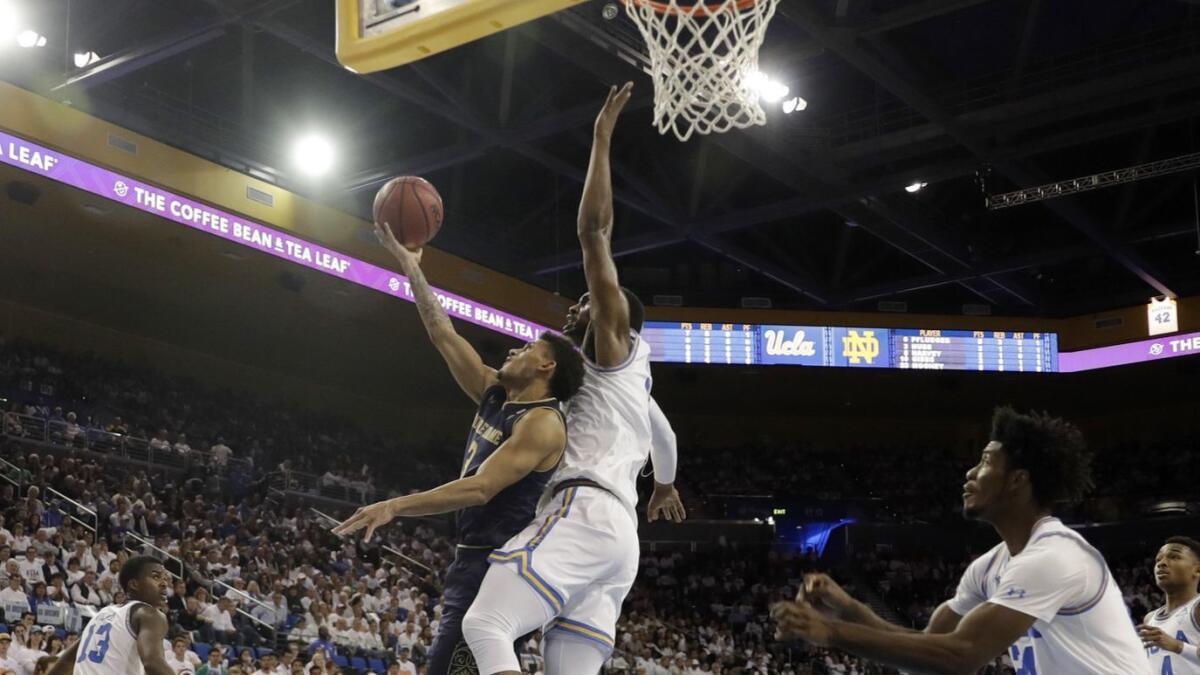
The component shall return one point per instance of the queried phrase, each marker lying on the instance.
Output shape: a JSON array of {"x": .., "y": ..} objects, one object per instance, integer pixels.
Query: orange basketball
[{"x": 413, "y": 209}]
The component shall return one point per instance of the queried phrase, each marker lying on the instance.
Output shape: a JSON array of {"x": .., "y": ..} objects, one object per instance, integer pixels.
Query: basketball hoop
[{"x": 703, "y": 59}]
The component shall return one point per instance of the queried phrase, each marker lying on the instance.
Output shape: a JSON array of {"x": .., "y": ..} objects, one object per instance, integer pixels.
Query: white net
[{"x": 704, "y": 61}]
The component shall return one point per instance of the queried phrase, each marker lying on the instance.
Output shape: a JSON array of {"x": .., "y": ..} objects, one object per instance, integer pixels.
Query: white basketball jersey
[
  {"x": 1181, "y": 625},
  {"x": 608, "y": 425},
  {"x": 108, "y": 645},
  {"x": 1081, "y": 627}
]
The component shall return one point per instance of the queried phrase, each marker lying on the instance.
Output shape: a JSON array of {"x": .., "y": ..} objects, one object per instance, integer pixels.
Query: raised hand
[
  {"x": 607, "y": 119},
  {"x": 406, "y": 256}
]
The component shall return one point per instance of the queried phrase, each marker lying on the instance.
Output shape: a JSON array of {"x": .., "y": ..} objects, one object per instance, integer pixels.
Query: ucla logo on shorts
[{"x": 860, "y": 348}]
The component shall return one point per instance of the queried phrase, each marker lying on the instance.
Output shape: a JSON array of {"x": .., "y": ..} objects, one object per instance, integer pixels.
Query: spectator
[
  {"x": 8, "y": 666},
  {"x": 14, "y": 599},
  {"x": 220, "y": 452},
  {"x": 180, "y": 658},
  {"x": 215, "y": 665}
]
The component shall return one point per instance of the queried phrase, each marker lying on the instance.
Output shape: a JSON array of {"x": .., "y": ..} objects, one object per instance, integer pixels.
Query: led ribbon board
[
  {"x": 843, "y": 347},
  {"x": 133, "y": 193},
  {"x": 1156, "y": 349}
]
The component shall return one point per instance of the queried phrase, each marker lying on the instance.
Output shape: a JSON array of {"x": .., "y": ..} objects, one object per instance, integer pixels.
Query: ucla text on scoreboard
[{"x": 852, "y": 347}]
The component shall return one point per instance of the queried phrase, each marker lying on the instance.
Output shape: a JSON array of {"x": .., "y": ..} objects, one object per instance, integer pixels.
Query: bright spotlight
[
  {"x": 8, "y": 22},
  {"x": 313, "y": 155},
  {"x": 795, "y": 104},
  {"x": 30, "y": 38},
  {"x": 915, "y": 187},
  {"x": 84, "y": 59},
  {"x": 768, "y": 90}
]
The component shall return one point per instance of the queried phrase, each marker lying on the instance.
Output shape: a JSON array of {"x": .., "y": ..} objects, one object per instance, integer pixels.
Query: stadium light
[
  {"x": 795, "y": 104},
  {"x": 915, "y": 187},
  {"x": 30, "y": 39},
  {"x": 313, "y": 155},
  {"x": 83, "y": 59},
  {"x": 768, "y": 90},
  {"x": 9, "y": 20}
]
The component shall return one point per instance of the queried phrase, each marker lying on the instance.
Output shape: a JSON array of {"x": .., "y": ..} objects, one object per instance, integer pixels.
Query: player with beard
[
  {"x": 664, "y": 456},
  {"x": 125, "y": 639},
  {"x": 1043, "y": 593},
  {"x": 1172, "y": 632}
]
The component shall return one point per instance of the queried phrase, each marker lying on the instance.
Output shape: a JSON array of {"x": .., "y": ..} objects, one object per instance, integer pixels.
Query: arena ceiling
[{"x": 973, "y": 97}]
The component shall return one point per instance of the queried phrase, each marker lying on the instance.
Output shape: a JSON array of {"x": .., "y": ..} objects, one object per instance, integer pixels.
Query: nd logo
[{"x": 860, "y": 348}]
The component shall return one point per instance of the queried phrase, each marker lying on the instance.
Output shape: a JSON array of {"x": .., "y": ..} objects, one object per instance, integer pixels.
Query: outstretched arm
[
  {"x": 609, "y": 309},
  {"x": 151, "y": 628},
  {"x": 982, "y": 634},
  {"x": 828, "y": 597},
  {"x": 465, "y": 363},
  {"x": 537, "y": 438}
]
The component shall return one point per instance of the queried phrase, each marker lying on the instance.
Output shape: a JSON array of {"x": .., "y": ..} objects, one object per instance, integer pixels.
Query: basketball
[{"x": 413, "y": 209}]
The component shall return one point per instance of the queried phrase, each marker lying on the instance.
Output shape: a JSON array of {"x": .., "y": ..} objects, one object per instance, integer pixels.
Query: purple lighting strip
[
  {"x": 1166, "y": 347},
  {"x": 144, "y": 197}
]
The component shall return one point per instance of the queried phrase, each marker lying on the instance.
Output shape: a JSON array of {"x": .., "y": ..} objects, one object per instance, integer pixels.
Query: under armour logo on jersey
[{"x": 1015, "y": 592}]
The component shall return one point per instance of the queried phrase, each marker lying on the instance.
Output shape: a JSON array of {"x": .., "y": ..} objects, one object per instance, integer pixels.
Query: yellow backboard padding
[{"x": 451, "y": 27}]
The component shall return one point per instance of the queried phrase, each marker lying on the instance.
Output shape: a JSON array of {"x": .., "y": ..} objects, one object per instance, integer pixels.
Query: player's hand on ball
[
  {"x": 1154, "y": 637},
  {"x": 370, "y": 517},
  {"x": 800, "y": 621},
  {"x": 825, "y": 595},
  {"x": 607, "y": 119},
  {"x": 665, "y": 503},
  {"x": 383, "y": 232}
]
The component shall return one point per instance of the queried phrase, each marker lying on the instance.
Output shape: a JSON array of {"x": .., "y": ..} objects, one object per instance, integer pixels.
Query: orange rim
[{"x": 664, "y": 8}]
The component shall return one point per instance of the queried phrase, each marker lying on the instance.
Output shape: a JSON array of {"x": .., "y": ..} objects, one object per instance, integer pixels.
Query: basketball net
[{"x": 704, "y": 60}]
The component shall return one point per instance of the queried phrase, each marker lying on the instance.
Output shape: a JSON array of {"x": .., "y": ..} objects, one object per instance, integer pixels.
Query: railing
[
  {"x": 69, "y": 435},
  {"x": 79, "y": 508},
  {"x": 149, "y": 548},
  {"x": 327, "y": 486},
  {"x": 10, "y": 472}
]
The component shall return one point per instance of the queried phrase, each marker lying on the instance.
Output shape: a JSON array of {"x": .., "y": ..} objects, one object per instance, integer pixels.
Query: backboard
[{"x": 373, "y": 35}]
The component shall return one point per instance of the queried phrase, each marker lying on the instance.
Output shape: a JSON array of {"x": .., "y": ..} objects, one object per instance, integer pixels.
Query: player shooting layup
[
  {"x": 512, "y": 450},
  {"x": 572, "y": 567}
]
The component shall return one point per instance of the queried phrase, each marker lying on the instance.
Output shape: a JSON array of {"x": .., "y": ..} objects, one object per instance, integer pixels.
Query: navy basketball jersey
[{"x": 492, "y": 524}]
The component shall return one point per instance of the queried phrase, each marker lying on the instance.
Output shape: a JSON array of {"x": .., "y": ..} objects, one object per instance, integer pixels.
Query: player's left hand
[
  {"x": 665, "y": 503},
  {"x": 800, "y": 621},
  {"x": 613, "y": 105},
  {"x": 1154, "y": 637},
  {"x": 371, "y": 517}
]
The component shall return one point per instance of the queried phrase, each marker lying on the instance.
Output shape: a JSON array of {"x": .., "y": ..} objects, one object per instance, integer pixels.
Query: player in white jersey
[
  {"x": 1043, "y": 594},
  {"x": 570, "y": 570},
  {"x": 1171, "y": 633},
  {"x": 125, "y": 639}
]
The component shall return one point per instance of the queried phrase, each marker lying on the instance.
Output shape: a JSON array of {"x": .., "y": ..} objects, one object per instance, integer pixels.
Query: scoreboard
[{"x": 836, "y": 346}]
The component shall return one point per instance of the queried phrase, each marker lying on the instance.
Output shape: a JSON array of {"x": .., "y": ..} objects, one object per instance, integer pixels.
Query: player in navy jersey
[{"x": 514, "y": 445}]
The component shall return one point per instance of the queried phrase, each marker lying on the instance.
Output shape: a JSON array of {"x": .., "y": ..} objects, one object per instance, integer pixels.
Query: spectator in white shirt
[
  {"x": 85, "y": 592},
  {"x": 160, "y": 443},
  {"x": 8, "y": 664},
  {"x": 303, "y": 631},
  {"x": 20, "y": 541},
  {"x": 181, "y": 659},
  {"x": 31, "y": 568},
  {"x": 406, "y": 667},
  {"x": 219, "y": 618},
  {"x": 74, "y": 573},
  {"x": 220, "y": 452},
  {"x": 14, "y": 595},
  {"x": 181, "y": 445}
]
